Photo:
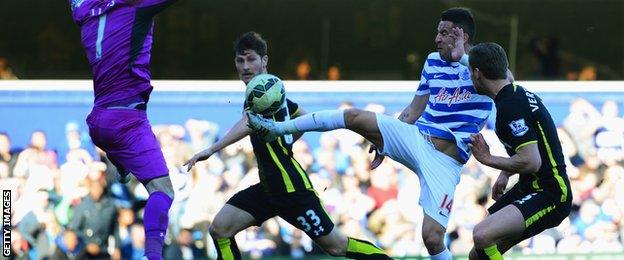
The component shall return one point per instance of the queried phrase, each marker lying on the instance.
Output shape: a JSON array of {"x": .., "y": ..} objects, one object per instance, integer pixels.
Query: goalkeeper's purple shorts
[{"x": 127, "y": 138}]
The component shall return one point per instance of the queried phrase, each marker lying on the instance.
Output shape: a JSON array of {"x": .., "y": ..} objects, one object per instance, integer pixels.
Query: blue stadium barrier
[{"x": 50, "y": 104}]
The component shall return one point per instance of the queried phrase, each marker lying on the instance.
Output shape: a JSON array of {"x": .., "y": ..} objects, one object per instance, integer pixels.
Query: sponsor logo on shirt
[{"x": 457, "y": 96}]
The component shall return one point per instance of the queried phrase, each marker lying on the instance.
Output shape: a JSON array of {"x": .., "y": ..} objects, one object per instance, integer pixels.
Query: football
[{"x": 265, "y": 94}]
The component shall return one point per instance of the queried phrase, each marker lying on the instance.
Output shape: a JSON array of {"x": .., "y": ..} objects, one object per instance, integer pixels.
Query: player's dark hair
[
  {"x": 250, "y": 41},
  {"x": 490, "y": 59},
  {"x": 462, "y": 18}
]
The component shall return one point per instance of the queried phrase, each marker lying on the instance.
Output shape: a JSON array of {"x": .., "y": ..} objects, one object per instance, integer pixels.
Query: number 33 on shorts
[{"x": 315, "y": 222}]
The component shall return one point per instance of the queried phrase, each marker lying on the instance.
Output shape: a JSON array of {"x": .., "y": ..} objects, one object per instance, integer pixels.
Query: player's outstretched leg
[
  {"x": 319, "y": 121},
  {"x": 156, "y": 217},
  {"x": 359, "y": 121}
]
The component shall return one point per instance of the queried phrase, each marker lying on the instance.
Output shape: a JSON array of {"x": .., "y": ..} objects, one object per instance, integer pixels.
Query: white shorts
[{"x": 438, "y": 172}]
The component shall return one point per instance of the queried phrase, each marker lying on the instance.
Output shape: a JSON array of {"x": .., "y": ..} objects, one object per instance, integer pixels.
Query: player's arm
[
  {"x": 237, "y": 132},
  {"x": 526, "y": 160},
  {"x": 414, "y": 110},
  {"x": 500, "y": 184},
  {"x": 298, "y": 113},
  {"x": 518, "y": 131},
  {"x": 459, "y": 53},
  {"x": 410, "y": 114}
]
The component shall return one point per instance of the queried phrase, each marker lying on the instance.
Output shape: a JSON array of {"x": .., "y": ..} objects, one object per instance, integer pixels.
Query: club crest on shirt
[
  {"x": 464, "y": 74},
  {"x": 518, "y": 127}
]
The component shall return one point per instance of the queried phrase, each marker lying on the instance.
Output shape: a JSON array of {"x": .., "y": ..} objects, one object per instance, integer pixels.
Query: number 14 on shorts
[
  {"x": 315, "y": 222},
  {"x": 446, "y": 206}
]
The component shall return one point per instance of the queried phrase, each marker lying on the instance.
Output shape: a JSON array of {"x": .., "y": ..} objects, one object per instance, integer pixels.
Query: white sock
[
  {"x": 319, "y": 121},
  {"x": 444, "y": 255}
]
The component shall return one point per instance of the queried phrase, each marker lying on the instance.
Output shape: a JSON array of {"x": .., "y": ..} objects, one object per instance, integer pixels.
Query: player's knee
[
  {"x": 169, "y": 193},
  {"x": 480, "y": 236},
  {"x": 434, "y": 242},
  {"x": 162, "y": 184},
  {"x": 433, "y": 237},
  {"x": 219, "y": 229},
  {"x": 340, "y": 249},
  {"x": 336, "y": 251},
  {"x": 334, "y": 245}
]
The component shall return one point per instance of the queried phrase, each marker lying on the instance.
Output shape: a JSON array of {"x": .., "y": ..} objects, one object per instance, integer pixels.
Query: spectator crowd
[{"x": 67, "y": 203}]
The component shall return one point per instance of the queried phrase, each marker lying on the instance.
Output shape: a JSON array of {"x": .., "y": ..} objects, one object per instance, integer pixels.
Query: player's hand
[
  {"x": 480, "y": 149},
  {"x": 498, "y": 189},
  {"x": 201, "y": 156},
  {"x": 458, "y": 47},
  {"x": 378, "y": 157}
]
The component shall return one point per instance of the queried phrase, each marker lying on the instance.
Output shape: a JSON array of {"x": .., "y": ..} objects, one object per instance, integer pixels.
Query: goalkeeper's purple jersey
[{"x": 117, "y": 37}]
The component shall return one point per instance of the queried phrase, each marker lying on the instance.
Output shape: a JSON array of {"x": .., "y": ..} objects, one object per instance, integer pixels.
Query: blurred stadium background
[{"x": 360, "y": 53}]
